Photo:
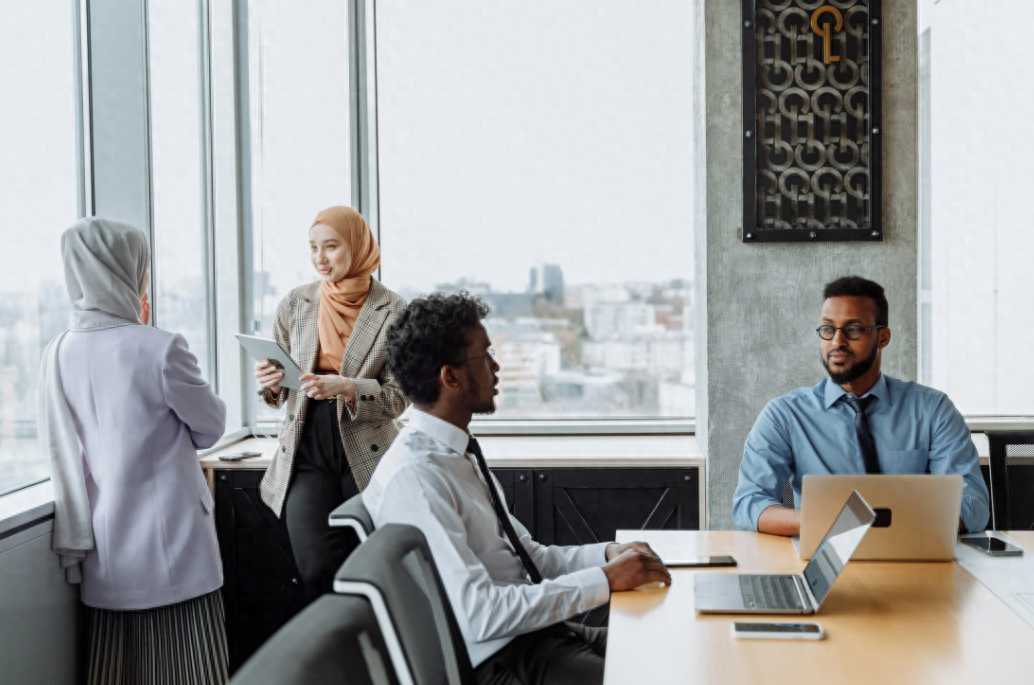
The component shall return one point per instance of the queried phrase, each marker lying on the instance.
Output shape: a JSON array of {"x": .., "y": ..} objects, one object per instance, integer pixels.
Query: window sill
[
  {"x": 537, "y": 427},
  {"x": 530, "y": 451},
  {"x": 26, "y": 507}
]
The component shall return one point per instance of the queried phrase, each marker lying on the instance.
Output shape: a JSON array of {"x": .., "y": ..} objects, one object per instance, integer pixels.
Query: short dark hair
[
  {"x": 430, "y": 333},
  {"x": 857, "y": 286}
]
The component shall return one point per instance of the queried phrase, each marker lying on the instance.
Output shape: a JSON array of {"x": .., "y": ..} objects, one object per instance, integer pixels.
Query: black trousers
[
  {"x": 322, "y": 480},
  {"x": 562, "y": 654}
]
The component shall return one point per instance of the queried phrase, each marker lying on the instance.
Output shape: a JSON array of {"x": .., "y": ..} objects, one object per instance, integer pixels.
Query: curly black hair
[
  {"x": 430, "y": 333},
  {"x": 860, "y": 287}
]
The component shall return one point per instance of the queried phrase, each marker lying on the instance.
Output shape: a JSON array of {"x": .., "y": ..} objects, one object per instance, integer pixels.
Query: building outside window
[
  {"x": 181, "y": 297},
  {"x": 538, "y": 155},
  {"x": 39, "y": 186},
  {"x": 300, "y": 150}
]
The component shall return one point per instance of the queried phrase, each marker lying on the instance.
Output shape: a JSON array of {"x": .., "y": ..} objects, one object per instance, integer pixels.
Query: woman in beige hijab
[{"x": 342, "y": 420}]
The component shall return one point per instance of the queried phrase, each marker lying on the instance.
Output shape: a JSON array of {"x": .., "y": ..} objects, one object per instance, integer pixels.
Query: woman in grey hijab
[{"x": 123, "y": 411}]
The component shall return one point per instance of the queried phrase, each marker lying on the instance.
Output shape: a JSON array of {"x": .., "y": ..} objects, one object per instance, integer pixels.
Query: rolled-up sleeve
[
  {"x": 767, "y": 464},
  {"x": 952, "y": 452}
]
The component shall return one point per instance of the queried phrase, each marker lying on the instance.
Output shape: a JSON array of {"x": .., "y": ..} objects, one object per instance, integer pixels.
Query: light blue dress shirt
[{"x": 811, "y": 431}]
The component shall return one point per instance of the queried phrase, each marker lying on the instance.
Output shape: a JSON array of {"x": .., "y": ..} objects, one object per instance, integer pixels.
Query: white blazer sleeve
[{"x": 190, "y": 397}]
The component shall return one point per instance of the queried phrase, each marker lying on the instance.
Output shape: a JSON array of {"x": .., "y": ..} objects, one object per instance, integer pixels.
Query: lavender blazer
[{"x": 141, "y": 410}]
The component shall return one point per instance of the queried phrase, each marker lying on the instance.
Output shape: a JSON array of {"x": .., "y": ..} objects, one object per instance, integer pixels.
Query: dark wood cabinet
[
  {"x": 260, "y": 587},
  {"x": 583, "y": 506},
  {"x": 519, "y": 489}
]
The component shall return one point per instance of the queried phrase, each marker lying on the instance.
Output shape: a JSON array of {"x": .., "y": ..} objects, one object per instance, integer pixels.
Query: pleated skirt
[{"x": 179, "y": 644}]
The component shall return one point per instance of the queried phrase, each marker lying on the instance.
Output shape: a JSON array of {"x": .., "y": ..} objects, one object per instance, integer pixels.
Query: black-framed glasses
[
  {"x": 490, "y": 353},
  {"x": 851, "y": 331}
]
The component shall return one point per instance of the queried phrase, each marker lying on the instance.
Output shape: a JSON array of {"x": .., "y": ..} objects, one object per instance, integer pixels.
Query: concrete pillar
[{"x": 761, "y": 301}]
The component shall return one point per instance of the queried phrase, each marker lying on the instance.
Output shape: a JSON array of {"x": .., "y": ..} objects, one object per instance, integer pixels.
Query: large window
[
  {"x": 180, "y": 287},
  {"x": 976, "y": 237},
  {"x": 39, "y": 198},
  {"x": 538, "y": 154},
  {"x": 300, "y": 152}
]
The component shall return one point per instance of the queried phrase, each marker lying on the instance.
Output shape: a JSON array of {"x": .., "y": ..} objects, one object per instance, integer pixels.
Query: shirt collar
[
  {"x": 444, "y": 432},
  {"x": 833, "y": 392}
]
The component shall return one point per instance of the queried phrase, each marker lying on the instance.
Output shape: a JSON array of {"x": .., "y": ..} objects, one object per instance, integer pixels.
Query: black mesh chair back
[
  {"x": 1012, "y": 479},
  {"x": 354, "y": 515},
  {"x": 394, "y": 569},
  {"x": 336, "y": 640}
]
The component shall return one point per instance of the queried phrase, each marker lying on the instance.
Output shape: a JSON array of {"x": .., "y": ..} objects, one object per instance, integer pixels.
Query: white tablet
[{"x": 270, "y": 350}]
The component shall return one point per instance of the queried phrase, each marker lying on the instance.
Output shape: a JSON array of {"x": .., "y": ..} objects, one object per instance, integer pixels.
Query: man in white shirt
[{"x": 510, "y": 594}]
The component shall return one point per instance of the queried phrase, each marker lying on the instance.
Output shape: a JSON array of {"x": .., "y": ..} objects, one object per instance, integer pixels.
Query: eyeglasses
[
  {"x": 851, "y": 332},
  {"x": 490, "y": 353}
]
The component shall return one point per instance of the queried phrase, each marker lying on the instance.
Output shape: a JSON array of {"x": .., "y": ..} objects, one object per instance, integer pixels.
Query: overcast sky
[{"x": 513, "y": 133}]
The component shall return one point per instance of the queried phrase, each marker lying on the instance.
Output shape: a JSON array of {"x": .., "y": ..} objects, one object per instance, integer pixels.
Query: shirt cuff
[
  {"x": 594, "y": 589},
  {"x": 974, "y": 514},
  {"x": 758, "y": 506},
  {"x": 597, "y": 553}
]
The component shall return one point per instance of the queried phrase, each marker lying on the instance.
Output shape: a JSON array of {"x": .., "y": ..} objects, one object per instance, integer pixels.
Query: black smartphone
[
  {"x": 698, "y": 562},
  {"x": 994, "y": 547},
  {"x": 237, "y": 456}
]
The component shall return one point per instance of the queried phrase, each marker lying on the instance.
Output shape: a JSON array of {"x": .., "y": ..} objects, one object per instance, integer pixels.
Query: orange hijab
[{"x": 341, "y": 301}]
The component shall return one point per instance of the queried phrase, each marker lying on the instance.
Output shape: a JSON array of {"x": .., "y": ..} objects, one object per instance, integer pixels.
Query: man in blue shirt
[{"x": 856, "y": 421}]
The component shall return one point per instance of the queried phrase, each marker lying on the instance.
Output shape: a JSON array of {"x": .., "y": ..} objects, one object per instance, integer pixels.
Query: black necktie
[
  {"x": 861, "y": 428},
  {"x": 504, "y": 517}
]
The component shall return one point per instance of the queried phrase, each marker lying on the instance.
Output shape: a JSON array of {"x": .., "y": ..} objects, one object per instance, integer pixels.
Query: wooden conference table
[{"x": 885, "y": 622}]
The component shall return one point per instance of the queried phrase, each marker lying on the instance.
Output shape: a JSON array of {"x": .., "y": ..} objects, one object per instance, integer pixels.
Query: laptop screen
[{"x": 840, "y": 542}]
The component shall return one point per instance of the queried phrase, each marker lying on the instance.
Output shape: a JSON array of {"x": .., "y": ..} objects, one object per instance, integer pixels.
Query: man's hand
[
  {"x": 616, "y": 548},
  {"x": 633, "y": 564}
]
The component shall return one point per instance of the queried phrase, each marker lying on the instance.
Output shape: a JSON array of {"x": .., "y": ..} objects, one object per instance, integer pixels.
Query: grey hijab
[{"x": 106, "y": 263}]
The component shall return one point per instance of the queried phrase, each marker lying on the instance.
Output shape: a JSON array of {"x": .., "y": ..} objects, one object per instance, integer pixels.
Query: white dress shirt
[{"x": 428, "y": 480}]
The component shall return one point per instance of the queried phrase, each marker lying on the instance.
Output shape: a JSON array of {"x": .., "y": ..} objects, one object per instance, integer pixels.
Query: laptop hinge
[{"x": 806, "y": 597}]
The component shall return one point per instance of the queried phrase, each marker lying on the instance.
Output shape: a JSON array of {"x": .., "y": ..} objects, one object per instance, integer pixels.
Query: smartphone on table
[
  {"x": 237, "y": 456},
  {"x": 777, "y": 631},
  {"x": 993, "y": 546}
]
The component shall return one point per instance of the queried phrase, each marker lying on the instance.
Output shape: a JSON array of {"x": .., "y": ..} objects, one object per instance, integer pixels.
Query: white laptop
[
  {"x": 917, "y": 516},
  {"x": 740, "y": 593}
]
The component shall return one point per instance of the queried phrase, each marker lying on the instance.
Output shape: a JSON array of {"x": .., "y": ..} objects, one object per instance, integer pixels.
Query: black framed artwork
[{"x": 811, "y": 120}]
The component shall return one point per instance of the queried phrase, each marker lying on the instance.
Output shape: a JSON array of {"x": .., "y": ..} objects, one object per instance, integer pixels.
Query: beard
[
  {"x": 853, "y": 372},
  {"x": 487, "y": 407}
]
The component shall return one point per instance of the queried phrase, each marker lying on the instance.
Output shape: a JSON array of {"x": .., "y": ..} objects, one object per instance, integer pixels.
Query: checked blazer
[{"x": 366, "y": 430}]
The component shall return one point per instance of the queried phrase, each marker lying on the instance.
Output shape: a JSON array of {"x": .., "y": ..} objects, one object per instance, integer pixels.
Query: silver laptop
[
  {"x": 738, "y": 593},
  {"x": 917, "y": 516}
]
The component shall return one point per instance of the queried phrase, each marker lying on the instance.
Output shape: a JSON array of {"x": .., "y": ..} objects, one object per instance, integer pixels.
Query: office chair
[
  {"x": 354, "y": 515},
  {"x": 395, "y": 572},
  {"x": 336, "y": 640},
  {"x": 1012, "y": 479}
]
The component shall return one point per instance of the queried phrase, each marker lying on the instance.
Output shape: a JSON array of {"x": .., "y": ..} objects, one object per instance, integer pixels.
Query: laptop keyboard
[{"x": 770, "y": 592}]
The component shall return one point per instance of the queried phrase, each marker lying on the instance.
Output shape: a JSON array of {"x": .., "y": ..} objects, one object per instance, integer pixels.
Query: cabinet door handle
[
  {"x": 522, "y": 478},
  {"x": 542, "y": 476}
]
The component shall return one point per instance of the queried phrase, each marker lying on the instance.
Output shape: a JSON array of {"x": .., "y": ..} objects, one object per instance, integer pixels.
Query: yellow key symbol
[{"x": 824, "y": 31}]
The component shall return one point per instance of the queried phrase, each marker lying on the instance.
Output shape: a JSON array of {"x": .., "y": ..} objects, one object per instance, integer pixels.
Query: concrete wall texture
[{"x": 762, "y": 300}]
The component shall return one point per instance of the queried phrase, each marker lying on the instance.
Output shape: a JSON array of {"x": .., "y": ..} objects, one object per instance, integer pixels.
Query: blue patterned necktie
[{"x": 861, "y": 429}]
